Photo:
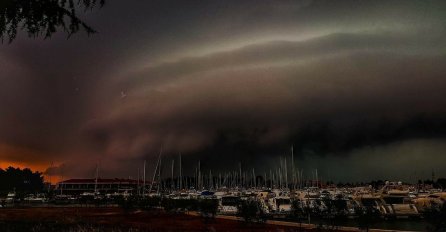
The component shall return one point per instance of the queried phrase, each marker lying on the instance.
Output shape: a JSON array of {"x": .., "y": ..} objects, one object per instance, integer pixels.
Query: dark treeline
[{"x": 20, "y": 180}]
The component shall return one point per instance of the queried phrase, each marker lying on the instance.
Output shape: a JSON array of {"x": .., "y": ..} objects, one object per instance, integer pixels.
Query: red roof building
[{"x": 78, "y": 186}]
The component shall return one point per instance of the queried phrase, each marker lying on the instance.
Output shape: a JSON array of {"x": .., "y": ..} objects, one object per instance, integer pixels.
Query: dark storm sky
[{"x": 358, "y": 87}]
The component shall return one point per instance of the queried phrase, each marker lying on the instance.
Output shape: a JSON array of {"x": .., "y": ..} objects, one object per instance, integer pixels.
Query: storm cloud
[{"x": 228, "y": 82}]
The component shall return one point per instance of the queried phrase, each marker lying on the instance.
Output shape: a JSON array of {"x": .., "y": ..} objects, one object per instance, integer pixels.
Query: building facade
[{"x": 79, "y": 186}]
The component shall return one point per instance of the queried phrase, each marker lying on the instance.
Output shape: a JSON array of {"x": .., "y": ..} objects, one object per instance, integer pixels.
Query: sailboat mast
[
  {"x": 144, "y": 180},
  {"x": 211, "y": 183},
  {"x": 137, "y": 182},
  {"x": 172, "y": 185},
  {"x": 240, "y": 175},
  {"x": 181, "y": 173},
  {"x": 254, "y": 178},
  {"x": 96, "y": 180},
  {"x": 50, "y": 174},
  {"x": 199, "y": 175},
  {"x": 293, "y": 176},
  {"x": 61, "y": 187},
  {"x": 286, "y": 174},
  {"x": 159, "y": 176},
  {"x": 156, "y": 169}
]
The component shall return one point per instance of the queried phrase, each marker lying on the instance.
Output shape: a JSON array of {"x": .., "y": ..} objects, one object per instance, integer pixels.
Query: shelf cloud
[{"x": 228, "y": 82}]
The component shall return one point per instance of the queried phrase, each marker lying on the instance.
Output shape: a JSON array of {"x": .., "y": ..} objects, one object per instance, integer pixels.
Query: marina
[{"x": 284, "y": 195}]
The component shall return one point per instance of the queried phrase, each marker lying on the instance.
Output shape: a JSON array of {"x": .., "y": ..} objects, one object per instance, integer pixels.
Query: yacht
[
  {"x": 396, "y": 197},
  {"x": 36, "y": 199},
  {"x": 375, "y": 203},
  {"x": 426, "y": 202},
  {"x": 11, "y": 198},
  {"x": 228, "y": 204},
  {"x": 280, "y": 204}
]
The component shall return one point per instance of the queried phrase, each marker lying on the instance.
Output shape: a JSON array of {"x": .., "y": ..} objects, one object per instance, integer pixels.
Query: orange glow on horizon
[
  {"x": 16, "y": 151},
  {"x": 35, "y": 168}
]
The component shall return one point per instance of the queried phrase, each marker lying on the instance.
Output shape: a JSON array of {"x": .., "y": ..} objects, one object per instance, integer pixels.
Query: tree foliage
[
  {"x": 208, "y": 207},
  {"x": 20, "y": 180},
  {"x": 366, "y": 216},
  {"x": 250, "y": 210},
  {"x": 436, "y": 216},
  {"x": 296, "y": 209},
  {"x": 43, "y": 17}
]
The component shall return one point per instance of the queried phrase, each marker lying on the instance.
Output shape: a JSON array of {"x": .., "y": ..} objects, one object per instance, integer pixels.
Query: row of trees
[{"x": 20, "y": 180}]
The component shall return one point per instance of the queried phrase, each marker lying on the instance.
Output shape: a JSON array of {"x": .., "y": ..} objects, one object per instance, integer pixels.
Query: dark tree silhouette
[
  {"x": 366, "y": 216},
  {"x": 298, "y": 212},
  {"x": 43, "y": 17},
  {"x": 436, "y": 216},
  {"x": 20, "y": 180},
  {"x": 441, "y": 183},
  {"x": 208, "y": 209},
  {"x": 249, "y": 210}
]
